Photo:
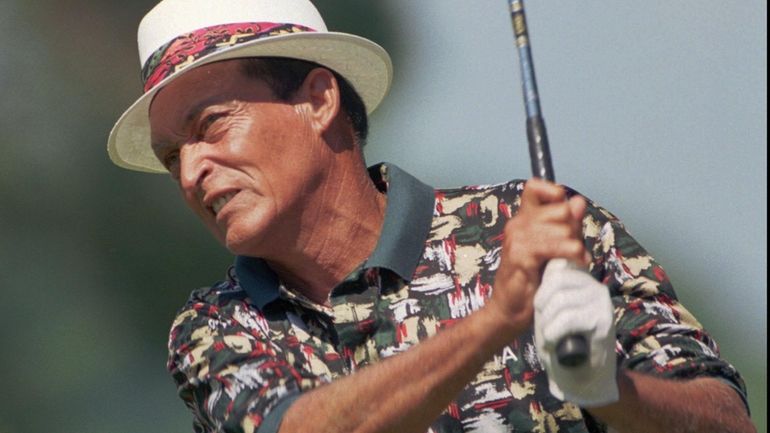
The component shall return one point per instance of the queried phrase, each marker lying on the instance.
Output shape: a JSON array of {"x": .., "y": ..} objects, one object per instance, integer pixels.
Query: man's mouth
[{"x": 222, "y": 201}]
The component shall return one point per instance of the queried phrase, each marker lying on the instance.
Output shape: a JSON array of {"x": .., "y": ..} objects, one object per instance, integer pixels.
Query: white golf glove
[{"x": 570, "y": 301}]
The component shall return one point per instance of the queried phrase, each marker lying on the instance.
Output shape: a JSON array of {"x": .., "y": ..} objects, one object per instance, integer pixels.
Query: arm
[
  {"x": 404, "y": 393},
  {"x": 670, "y": 375},
  {"x": 232, "y": 381},
  {"x": 650, "y": 405}
]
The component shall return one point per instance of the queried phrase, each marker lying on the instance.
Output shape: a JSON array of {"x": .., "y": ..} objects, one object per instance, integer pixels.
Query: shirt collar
[{"x": 407, "y": 223}]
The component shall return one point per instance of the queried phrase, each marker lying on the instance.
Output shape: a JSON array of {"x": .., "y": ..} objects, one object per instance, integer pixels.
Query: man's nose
[{"x": 193, "y": 167}]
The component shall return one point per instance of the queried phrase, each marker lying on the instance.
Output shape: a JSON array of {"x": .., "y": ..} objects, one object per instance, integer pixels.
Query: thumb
[{"x": 577, "y": 206}]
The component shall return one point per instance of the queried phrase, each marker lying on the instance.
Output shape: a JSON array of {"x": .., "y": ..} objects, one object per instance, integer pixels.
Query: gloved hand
[{"x": 570, "y": 301}]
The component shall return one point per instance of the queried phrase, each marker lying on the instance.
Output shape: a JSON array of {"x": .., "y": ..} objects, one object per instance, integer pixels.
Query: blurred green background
[{"x": 656, "y": 109}]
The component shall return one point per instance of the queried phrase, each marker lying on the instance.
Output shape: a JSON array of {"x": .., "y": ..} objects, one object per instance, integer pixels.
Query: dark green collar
[{"x": 407, "y": 223}]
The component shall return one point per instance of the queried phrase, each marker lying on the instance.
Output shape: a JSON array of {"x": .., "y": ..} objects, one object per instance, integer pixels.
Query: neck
[{"x": 339, "y": 228}]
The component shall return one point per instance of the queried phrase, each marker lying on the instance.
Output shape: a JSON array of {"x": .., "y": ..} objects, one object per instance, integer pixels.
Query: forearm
[
  {"x": 650, "y": 405},
  {"x": 405, "y": 393}
]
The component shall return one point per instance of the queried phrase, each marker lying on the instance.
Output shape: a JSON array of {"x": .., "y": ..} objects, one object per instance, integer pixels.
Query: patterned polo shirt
[{"x": 244, "y": 349}]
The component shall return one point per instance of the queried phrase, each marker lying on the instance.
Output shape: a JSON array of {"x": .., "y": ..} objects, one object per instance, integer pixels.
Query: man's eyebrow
[
  {"x": 196, "y": 110},
  {"x": 160, "y": 145}
]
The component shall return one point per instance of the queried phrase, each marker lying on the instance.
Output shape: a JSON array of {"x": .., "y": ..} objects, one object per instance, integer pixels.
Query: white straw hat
[{"x": 178, "y": 35}]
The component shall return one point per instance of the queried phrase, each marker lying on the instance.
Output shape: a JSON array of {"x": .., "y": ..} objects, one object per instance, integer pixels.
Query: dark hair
[{"x": 285, "y": 76}]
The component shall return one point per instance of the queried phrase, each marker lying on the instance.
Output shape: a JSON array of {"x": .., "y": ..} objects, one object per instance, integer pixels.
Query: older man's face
[{"x": 245, "y": 162}]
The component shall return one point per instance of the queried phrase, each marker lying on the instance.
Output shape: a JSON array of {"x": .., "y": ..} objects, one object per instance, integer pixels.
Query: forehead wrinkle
[
  {"x": 192, "y": 113},
  {"x": 199, "y": 80}
]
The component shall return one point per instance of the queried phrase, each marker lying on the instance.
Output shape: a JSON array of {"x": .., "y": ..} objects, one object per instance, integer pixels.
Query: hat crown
[{"x": 172, "y": 18}]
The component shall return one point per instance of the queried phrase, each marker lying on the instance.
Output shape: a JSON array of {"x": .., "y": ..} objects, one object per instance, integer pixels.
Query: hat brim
[{"x": 365, "y": 65}]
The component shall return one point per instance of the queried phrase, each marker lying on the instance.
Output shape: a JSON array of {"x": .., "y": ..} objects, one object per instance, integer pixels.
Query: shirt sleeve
[
  {"x": 657, "y": 335},
  {"x": 229, "y": 374}
]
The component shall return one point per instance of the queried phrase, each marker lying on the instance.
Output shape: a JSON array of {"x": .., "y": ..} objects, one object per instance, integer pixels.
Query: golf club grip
[
  {"x": 572, "y": 350},
  {"x": 539, "y": 152}
]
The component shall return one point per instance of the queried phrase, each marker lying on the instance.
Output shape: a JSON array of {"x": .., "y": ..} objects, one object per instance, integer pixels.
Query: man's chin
[
  {"x": 240, "y": 245},
  {"x": 235, "y": 247}
]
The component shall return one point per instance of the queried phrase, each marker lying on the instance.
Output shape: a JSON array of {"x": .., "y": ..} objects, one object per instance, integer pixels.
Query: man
[{"x": 363, "y": 300}]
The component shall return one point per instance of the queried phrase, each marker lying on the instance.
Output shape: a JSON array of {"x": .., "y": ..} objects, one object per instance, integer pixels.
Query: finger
[
  {"x": 571, "y": 250},
  {"x": 567, "y": 323},
  {"x": 558, "y": 221},
  {"x": 577, "y": 205},
  {"x": 559, "y": 212},
  {"x": 545, "y": 241},
  {"x": 538, "y": 192},
  {"x": 555, "y": 303},
  {"x": 565, "y": 292}
]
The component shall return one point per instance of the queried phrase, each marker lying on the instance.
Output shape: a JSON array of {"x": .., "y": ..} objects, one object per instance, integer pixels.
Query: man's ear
[{"x": 320, "y": 98}]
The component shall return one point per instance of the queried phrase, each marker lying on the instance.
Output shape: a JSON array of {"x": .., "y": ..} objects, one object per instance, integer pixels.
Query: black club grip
[{"x": 572, "y": 351}]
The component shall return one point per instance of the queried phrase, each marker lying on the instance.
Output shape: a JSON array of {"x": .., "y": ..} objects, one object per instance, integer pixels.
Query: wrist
[
  {"x": 504, "y": 324},
  {"x": 511, "y": 307}
]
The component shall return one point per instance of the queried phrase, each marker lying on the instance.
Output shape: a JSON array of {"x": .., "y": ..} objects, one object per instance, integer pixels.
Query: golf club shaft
[{"x": 572, "y": 350}]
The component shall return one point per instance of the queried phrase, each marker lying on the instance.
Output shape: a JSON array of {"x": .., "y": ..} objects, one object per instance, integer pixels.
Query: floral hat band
[{"x": 186, "y": 49}]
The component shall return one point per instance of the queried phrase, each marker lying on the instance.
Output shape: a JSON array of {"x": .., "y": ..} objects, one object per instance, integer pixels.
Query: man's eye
[{"x": 207, "y": 122}]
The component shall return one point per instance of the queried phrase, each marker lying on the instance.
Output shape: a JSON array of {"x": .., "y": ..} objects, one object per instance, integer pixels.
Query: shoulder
[
  {"x": 474, "y": 214},
  {"x": 593, "y": 209},
  {"x": 207, "y": 304},
  {"x": 220, "y": 293},
  {"x": 452, "y": 200},
  {"x": 512, "y": 187}
]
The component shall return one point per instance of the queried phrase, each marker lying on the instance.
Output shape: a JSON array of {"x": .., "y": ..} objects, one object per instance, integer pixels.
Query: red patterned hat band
[{"x": 184, "y": 50}]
